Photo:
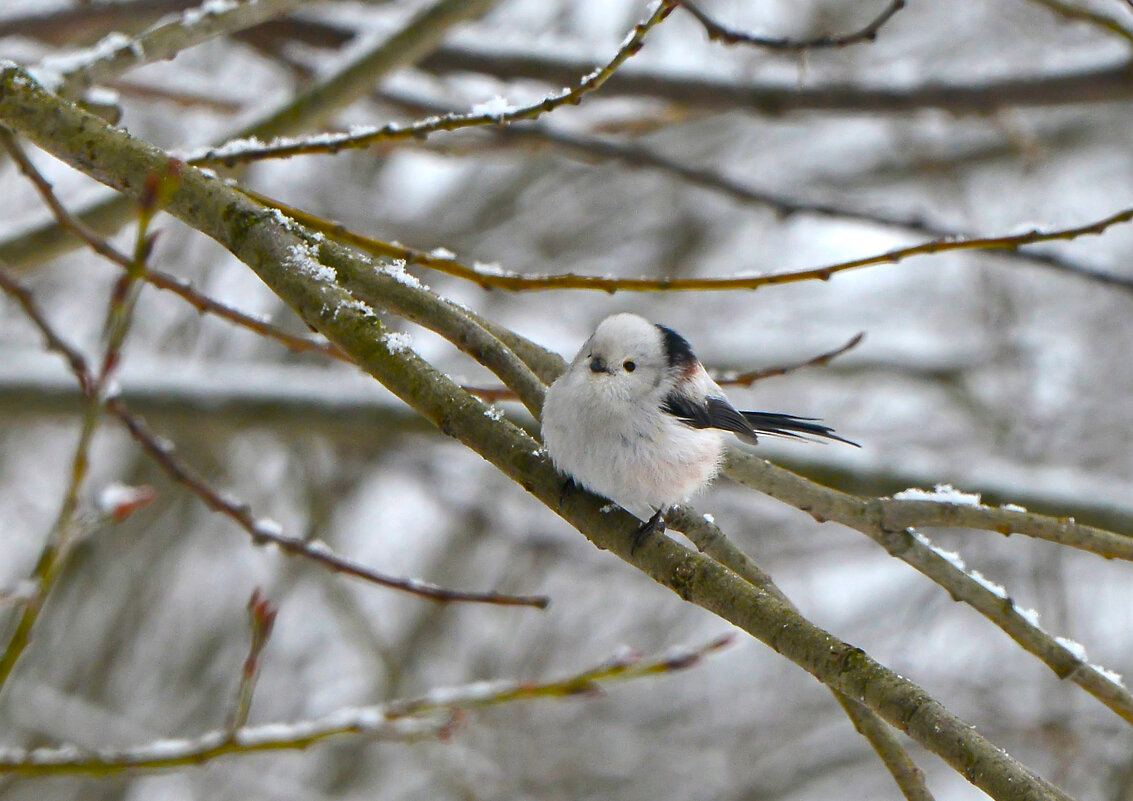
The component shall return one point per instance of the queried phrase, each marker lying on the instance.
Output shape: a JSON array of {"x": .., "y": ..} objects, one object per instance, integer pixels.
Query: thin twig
[
  {"x": 493, "y": 277},
  {"x": 261, "y": 620},
  {"x": 262, "y": 531},
  {"x": 161, "y": 280},
  {"x": 730, "y": 36},
  {"x": 586, "y": 147},
  {"x": 241, "y": 151},
  {"x": 1079, "y": 14},
  {"x": 97, "y": 388},
  {"x": 749, "y": 378},
  {"x": 379, "y": 720},
  {"x": 205, "y": 304},
  {"x": 870, "y": 516}
]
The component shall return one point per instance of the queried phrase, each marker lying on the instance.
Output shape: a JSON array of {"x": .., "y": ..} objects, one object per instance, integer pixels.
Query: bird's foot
[
  {"x": 568, "y": 486},
  {"x": 654, "y": 525}
]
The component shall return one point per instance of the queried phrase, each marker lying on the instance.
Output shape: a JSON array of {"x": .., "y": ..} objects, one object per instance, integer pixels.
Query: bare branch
[
  {"x": 729, "y": 36},
  {"x": 262, "y": 531},
  {"x": 729, "y": 379},
  {"x": 869, "y": 516},
  {"x": 261, "y": 619},
  {"x": 280, "y": 254},
  {"x": 76, "y": 71},
  {"x": 708, "y": 537},
  {"x": 242, "y": 151},
  {"x": 493, "y": 277},
  {"x": 265, "y": 531},
  {"x": 1079, "y": 14},
  {"x": 1102, "y": 85},
  {"x": 427, "y": 716}
]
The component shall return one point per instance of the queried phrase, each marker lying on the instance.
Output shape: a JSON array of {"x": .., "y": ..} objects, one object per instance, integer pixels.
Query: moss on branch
[{"x": 281, "y": 254}]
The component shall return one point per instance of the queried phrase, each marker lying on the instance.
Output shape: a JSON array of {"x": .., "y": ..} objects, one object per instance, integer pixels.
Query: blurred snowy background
[{"x": 994, "y": 374}]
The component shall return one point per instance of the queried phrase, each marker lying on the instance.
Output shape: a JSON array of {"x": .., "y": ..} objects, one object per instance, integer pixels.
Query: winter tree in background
[{"x": 283, "y": 284}]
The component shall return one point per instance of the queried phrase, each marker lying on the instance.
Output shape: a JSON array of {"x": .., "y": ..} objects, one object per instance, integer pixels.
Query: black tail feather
[{"x": 788, "y": 425}]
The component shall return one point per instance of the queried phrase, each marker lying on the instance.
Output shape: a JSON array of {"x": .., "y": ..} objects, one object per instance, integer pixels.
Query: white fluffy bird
[{"x": 637, "y": 419}]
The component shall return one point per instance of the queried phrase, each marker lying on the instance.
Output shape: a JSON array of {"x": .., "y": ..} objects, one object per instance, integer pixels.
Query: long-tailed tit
[{"x": 637, "y": 419}]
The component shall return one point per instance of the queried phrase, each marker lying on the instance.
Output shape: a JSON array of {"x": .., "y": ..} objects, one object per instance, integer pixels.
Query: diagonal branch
[
  {"x": 709, "y": 539},
  {"x": 267, "y": 245},
  {"x": 870, "y": 516},
  {"x": 242, "y": 151},
  {"x": 74, "y": 72},
  {"x": 263, "y": 531}
]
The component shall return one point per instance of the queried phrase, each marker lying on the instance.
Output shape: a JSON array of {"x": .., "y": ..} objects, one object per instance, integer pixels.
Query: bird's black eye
[{"x": 629, "y": 365}]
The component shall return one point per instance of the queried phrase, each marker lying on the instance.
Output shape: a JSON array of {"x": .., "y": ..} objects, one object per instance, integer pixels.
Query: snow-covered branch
[{"x": 430, "y": 716}]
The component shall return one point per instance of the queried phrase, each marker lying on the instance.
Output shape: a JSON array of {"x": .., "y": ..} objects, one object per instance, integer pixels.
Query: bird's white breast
[{"x": 638, "y": 457}]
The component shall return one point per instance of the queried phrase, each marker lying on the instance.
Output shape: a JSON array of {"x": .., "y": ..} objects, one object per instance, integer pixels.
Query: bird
[{"x": 637, "y": 419}]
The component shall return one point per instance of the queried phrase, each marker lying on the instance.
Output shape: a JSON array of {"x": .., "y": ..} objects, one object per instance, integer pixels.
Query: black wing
[
  {"x": 717, "y": 412},
  {"x": 788, "y": 425},
  {"x": 713, "y": 412}
]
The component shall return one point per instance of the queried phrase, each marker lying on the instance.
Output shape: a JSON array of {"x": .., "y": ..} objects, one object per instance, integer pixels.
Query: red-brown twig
[
  {"x": 729, "y": 36},
  {"x": 495, "y": 394},
  {"x": 261, "y": 619},
  {"x": 589, "y": 148},
  {"x": 97, "y": 387},
  {"x": 264, "y": 531},
  {"x": 261, "y": 531},
  {"x": 170, "y": 283},
  {"x": 493, "y": 277},
  {"x": 244, "y": 151},
  {"x": 749, "y": 378}
]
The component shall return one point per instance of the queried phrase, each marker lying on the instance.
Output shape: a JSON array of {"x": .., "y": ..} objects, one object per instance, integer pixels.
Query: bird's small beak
[{"x": 598, "y": 365}]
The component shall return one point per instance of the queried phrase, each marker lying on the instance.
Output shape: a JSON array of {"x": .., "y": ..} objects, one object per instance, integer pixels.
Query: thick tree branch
[
  {"x": 708, "y": 537},
  {"x": 872, "y": 517},
  {"x": 282, "y": 258}
]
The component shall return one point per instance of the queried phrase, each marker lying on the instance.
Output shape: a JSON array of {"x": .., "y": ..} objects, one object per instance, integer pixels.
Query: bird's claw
[{"x": 654, "y": 525}]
